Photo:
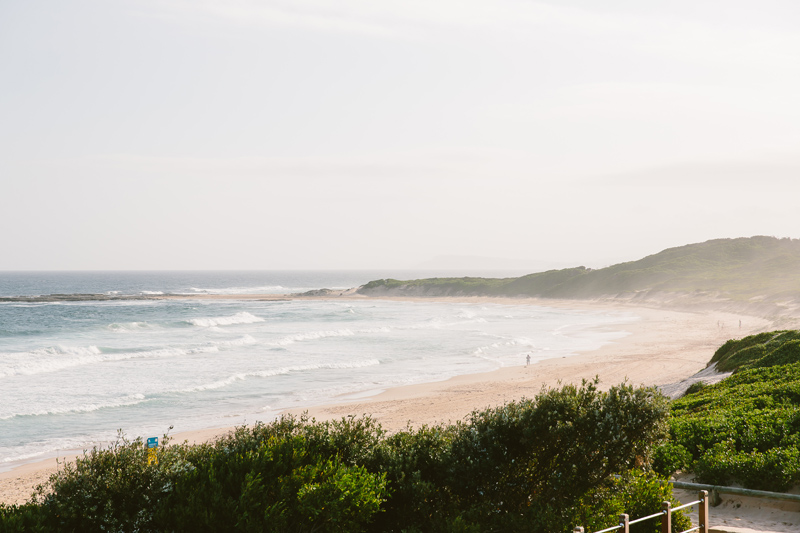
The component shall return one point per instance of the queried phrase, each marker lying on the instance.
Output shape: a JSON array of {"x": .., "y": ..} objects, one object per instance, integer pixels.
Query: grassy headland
[{"x": 763, "y": 268}]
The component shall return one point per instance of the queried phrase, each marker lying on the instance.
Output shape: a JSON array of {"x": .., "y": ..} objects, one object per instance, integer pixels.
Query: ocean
[{"x": 73, "y": 373}]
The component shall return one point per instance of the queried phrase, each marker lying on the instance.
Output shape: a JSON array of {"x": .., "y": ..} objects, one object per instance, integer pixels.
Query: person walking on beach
[{"x": 527, "y": 359}]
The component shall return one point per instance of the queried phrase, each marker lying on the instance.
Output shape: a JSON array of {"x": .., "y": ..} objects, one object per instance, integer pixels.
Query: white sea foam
[
  {"x": 520, "y": 341},
  {"x": 128, "y": 326},
  {"x": 379, "y": 329},
  {"x": 559, "y": 331},
  {"x": 312, "y": 335},
  {"x": 438, "y": 323},
  {"x": 239, "y": 290},
  {"x": 152, "y": 293},
  {"x": 242, "y": 341},
  {"x": 239, "y": 318},
  {"x": 133, "y": 399},
  {"x": 39, "y": 448},
  {"x": 53, "y": 359},
  {"x": 279, "y": 372}
]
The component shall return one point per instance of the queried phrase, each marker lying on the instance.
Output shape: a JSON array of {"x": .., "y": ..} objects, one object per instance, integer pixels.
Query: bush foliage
[
  {"x": 569, "y": 456},
  {"x": 746, "y": 428},
  {"x": 759, "y": 351}
]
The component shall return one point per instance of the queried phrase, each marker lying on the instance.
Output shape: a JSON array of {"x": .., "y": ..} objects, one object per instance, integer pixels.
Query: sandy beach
[{"x": 665, "y": 346}]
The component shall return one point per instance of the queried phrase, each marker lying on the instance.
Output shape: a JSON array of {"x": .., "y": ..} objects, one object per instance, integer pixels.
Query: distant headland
[{"x": 754, "y": 271}]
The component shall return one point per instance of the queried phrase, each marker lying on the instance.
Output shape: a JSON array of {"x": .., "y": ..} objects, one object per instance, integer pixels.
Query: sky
[{"x": 355, "y": 134}]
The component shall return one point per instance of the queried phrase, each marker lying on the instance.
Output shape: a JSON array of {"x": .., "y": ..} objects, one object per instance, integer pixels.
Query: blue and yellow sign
[{"x": 152, "y": 448}]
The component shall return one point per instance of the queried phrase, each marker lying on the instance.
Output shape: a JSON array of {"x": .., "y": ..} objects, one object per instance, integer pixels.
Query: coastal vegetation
[
  {"x": 746, "y": 428},
  {"x": 574, "y": 455},
  {"x": 734, "y": 269}
]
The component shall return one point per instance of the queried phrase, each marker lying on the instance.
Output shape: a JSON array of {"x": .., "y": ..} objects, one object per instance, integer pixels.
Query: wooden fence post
[
  {"x": 623, "y": 521},
  {"x": 666, "y": 520},
  {"x": 702, "y": 511}
]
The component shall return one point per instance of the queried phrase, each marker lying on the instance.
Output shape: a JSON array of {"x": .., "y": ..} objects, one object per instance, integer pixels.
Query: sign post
[{"x": 152, "y": 448}]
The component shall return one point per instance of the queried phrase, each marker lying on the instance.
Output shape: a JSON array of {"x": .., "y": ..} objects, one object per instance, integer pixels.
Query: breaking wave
[
  {"x": 290, "y": 339},
  {"x": 278, "y": 372},
  {"x": 53, "y": 359},
  {"x": 133, "y": 399},
  {"x": 239, "y": 318},
  {"x": 521, "y": 341}
]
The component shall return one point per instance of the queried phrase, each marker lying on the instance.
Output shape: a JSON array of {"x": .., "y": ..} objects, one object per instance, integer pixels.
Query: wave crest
[
  {"x": 312, "y": 335},
  {"x": 239, "y": 318},
  {"x": 82, "y": 356},
  {"x": 133, "y": 399},
  {"x": 279, "y": 372}
]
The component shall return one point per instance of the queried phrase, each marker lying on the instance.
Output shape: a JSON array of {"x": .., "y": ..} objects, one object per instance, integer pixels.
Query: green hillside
[{"x": 737, "y": 269}]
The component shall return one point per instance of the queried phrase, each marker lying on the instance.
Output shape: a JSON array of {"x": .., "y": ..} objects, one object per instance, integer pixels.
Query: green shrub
[
  {"x": 695, "y": 387},
  {"x": 417, "y": 464},
  {"x": 719, "y": 465},
  {"x": 786, "y": 353},
  {"x": 746, "y": 428},
  {"x": 247, "y": 483},
  {"x": 757, "y": 351},
  {"x": 562, "y": 443},
  {"x": 670, "y": 458},
  {"x": 541, "y": 464},
  {"x": 636, "y": 494},
  {"x": 111, "y": 489},
  {"x": 776, "y": 469},
  {"x": 513, "y": 462},
  {"x": 742, "y": 358},
  {"x": 724, "y": 353},
  {"x": 27, "y": 518}
]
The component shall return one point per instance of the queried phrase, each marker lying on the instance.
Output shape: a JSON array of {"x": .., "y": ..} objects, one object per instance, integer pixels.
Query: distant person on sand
[{"x": 527, "y": 359}]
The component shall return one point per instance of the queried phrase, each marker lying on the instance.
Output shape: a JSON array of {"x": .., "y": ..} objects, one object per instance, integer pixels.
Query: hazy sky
[{"x": 243, "y": 134}]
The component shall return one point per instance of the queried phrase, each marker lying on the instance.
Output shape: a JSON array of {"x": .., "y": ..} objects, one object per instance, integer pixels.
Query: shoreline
[{"x": 664, "y": 346}]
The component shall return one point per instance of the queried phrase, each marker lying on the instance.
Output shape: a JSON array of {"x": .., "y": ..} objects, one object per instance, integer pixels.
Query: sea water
[{"x": 73, "y": 373}]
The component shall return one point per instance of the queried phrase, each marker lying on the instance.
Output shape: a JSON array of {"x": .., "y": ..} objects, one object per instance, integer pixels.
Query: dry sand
[{"x": 664, "y": 347}]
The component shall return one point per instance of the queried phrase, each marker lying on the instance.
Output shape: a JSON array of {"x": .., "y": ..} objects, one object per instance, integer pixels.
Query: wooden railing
[{"x": 666, "y": 517}]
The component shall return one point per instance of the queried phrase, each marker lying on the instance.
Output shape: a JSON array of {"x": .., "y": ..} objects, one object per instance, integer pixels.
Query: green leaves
[
  {"x": 275, "y": 478},
  {"x": 746, "y": 428},
  {"x": 558, "y": 447},
  {"x": 540, "y": 464}
]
